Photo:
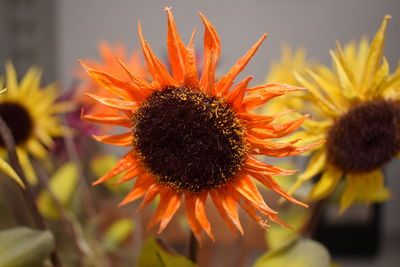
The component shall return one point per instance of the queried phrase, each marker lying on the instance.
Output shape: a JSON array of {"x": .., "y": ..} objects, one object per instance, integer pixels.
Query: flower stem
[
  {"x": 27, "y": 192},
  {"x": 193, "y": 248}
]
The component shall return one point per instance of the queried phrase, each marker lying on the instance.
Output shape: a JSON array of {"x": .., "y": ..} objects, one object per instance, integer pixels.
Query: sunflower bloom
[
  {"x": 191, "y": 138},
  {"x": 30, "y": 113},
  {"x": 361, "y": 122},
  {"x": 109, "y": 64}
]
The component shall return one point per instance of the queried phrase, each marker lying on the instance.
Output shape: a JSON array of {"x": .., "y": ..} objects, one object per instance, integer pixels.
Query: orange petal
[
  {"x": 268, "y": 148},
  {"x": 256, "y": 165},
  {"x": 169, "y": 203},
  {"x": 229, "y": 205},
  {"x": 126, "y": 162},
  {"x": 139, "y": 82},
  {"x": 120, "y": 88},
  {"x": 200, "y": 213},
  {"x": 273, "y": 130},
  {"x": 191, "y": 75},
  {"x": 150, "y": 195},
  {"x": 190, "y": 204},
  {"x": 132, "y": 173},
  {"x": 269, "y": 182},
  {"x": 250, "y": 210},
  {"x": 235, "y": 96},
  {"x": 255, "y": 120},
  {"x": 257, "y": 96},
  {"x": 109, "y": 119},
  {"x": 218, "y": 203},
  {"x": 141, "y": 186},
  {"x": 124, "y": 139},
  {"x": 245, "y": 186},
  {"x": 176, "y": 49},
  {"x": 156, "y": 68},
  {"x": 225, "y": 82},
  {"x": 212, "y": 52},
  {"x": 115, "y": 103}
]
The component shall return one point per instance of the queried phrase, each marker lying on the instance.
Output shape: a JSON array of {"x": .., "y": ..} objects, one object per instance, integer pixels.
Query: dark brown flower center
[
  {"x": 18, "y": 121},
  {"x": 366, "y": 137},
  {"x": 188, "y": 140}
]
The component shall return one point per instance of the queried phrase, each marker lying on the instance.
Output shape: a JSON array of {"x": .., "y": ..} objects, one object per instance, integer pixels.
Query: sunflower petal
[
  {"x": 190, "y": 203},
  {"x": 236, "y": 95},
  {"x": 124, "y": 139},
  {"x": 314, "y": 167},
  {"x": 326, "y": 184},
  {"x": 374, "y": 56},
  {"x": 126, "y": 162},
  {"x": 191, "y": 74},
  {"x": 120, "y": 88},
  {"x": 350, "y": 192},
  {"x": 154, "y": 65},
  {"x": 109, "y": 119},
  {"x": 212, "y": 52},
  {"x": 225, "y": 82},
  {"x": 215, "y": 196},
  {"x": 168, "y": 205},
  {"x": 142, "y": 185},
  {"x": 176, "y": 49},
  {"x": 200, "y": 213},
  {"x": 115, "y": 103}
]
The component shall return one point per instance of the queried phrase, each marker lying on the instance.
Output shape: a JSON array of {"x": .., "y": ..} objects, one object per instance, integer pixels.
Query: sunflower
[
  {"x": 29, "y": 112},
  {"x": 109, "y": 64},
  {"x": 191, "y": 138},
  {"x": 361, "y": 122}
]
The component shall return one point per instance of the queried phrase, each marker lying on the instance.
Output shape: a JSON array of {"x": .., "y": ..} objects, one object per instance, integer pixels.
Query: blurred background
[{"x": 54, "y": 34}]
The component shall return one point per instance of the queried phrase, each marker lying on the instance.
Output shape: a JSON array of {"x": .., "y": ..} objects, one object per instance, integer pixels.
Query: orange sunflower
[{"x": 191, "y": 138}]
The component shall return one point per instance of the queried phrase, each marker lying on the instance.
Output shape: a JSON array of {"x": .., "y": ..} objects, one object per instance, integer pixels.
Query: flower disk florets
[
  {"x": 366, "y": 137},
  {"x": 189, "y": 140}
]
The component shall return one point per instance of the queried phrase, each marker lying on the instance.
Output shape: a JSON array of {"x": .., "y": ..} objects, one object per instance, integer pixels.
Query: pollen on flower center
[
  {"x": 18, "y": 121},
  {"x": 188, "y": 140},
  {"x": 366, "y": 137}
]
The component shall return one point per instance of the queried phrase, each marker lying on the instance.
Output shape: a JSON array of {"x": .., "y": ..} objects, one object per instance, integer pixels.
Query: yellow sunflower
[
  {"x": 29, "y": 112},
  {"x": 191, "y": 138},
  {"x": 361, "y": 122}
]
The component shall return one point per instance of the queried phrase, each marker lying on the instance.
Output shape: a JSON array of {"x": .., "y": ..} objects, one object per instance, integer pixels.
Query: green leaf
[
  {"x": 156, "y": 254},
  {"x": 62, "y": 184},
  {"x": 118, "y": 232},
  {"x": 277, "y": 235},
  {"x": 299, "y": 253},
  {"x": 21, "y": 247},
  {"x": 9, "y": 171}
]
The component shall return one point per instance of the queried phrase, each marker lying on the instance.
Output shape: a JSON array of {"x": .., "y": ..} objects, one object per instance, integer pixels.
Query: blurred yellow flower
[
  {"x": 29, "y": 112},
  {"x": 361, "y": 122}
]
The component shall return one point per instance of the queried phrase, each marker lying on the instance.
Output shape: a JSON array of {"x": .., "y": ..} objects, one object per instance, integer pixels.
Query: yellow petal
[
  {"x": 9, "y": 171},
  {"x": 350, "y": 192},
  {"x": 326, "y": 184},
  {"x": 320, "y": 100},
  {"x": 374, "y": 56},
  {"x": 315, "y": 166},
  {"x": 380, "y": 78},
  {"x": 344, "y": 77},
  {"x": 36, "y": 149},
  {"x": 27, "y": 166}
]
